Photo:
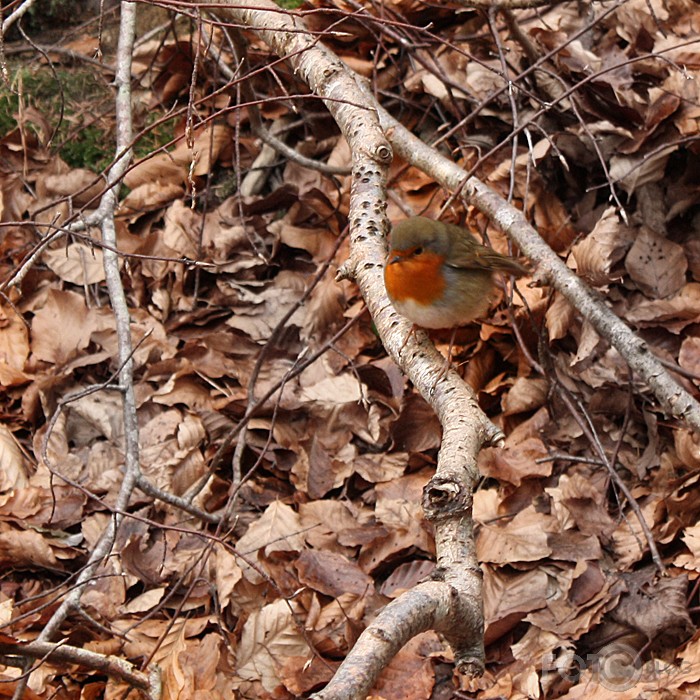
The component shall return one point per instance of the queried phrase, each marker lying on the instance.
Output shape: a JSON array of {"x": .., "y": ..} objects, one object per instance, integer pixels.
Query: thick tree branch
[
  {"x": 550, "y": 270},
  {"x": 448, "y": 496},
  {"x": 430, "y": 605},
  {"x": 465, "y": 427}
]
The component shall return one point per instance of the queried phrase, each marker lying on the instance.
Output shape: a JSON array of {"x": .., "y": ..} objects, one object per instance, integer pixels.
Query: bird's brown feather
[{"x": 467, "y": 254}]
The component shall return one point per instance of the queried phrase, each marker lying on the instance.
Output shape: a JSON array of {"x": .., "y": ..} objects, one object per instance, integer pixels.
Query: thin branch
[
  {"x": 144, "y": 485},
  {"x": 253, "y": 408},
  {"x": 583, "y": 420},
  {"x": 16, "y": 15},
  {"x": 112, "y": 666},
  {"x": 256, "y": 124},
  {"x": 673, "y": 398},
  {"x": 121, "y": 313}
]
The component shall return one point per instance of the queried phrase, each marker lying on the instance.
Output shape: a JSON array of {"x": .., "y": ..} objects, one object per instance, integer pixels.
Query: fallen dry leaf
[
  {"x": 656, "y": 265},
  {"x": 268, "y": 638},
  {"x": 224, "y": 304}
]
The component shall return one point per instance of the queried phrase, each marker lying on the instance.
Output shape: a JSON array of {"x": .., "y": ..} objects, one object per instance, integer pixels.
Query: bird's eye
[{"x": 418, "y": 251}]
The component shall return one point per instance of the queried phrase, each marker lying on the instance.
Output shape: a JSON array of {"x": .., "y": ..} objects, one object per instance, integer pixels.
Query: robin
[{"x": 438, "y": 276}]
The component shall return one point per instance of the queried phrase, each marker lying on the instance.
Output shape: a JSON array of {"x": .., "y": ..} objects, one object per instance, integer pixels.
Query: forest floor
[{"x": 228, "y": 261}]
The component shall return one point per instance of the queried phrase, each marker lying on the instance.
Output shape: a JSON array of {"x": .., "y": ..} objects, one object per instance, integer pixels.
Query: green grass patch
[
  {"x": 72, "y": 101},
  {"x": 156, "y": 135},
  {"x": 8, "y": 107},
  {"x": 89, "y": 151},
  {"x": 78, "y": 105}
]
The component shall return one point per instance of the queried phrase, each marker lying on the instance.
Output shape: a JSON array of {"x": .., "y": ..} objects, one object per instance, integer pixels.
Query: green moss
[
  {"x": 8, "y": 107},
  {"x": 155, "y": 136},
  {"x": 89, "y": 151},
  {"x": 225, "y": 185},
  {"x": 71, "y": 100},
  {"x": 78, "y": 105}
]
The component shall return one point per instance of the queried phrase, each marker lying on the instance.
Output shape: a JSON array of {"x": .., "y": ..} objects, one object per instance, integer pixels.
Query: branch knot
[{"x": 444, "y": 497}]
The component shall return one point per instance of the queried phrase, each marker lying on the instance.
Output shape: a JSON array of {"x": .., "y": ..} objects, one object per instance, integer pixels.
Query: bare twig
[
  {"x": 119, "y": 306},
  {"x": 582, "y": 418},
  {"x": 511, "y": 99},
  {"x": 254, "y": 407},
  {"x": 67, "y": 654},
  {"x": 121, "y": 313},
  {"x": 176, "y": 501},
  {"x": 268, "y": 137}
]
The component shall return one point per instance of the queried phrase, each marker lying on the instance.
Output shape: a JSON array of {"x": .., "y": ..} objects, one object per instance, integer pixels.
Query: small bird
[{"x": 438, "y": 276}]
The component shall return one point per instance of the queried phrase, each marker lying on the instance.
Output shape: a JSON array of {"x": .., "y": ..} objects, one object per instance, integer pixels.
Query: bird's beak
[{"x": 393, "y": 260}]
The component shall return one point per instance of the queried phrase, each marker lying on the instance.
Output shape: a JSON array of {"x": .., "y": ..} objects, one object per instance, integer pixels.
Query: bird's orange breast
[{"x": 418, "y": 278}]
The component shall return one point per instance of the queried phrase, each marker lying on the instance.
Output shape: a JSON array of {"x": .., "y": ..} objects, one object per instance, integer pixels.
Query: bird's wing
[{"x": 467, "y": 254}]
